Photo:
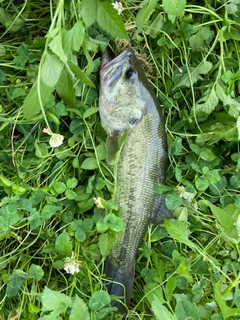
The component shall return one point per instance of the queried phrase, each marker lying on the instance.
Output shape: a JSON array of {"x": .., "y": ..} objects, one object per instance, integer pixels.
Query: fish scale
[{"x": 142, "y": 163}]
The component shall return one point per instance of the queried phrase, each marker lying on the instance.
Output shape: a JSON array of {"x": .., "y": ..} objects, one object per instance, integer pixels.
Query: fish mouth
[{"x": 111, "y": 67}]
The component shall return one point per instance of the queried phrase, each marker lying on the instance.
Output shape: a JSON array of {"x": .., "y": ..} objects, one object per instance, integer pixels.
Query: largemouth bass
[{"x": 127, "y": 102}]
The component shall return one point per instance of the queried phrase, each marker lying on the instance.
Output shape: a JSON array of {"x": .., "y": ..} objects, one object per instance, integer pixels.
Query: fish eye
[{"x": 129, "y": 73}]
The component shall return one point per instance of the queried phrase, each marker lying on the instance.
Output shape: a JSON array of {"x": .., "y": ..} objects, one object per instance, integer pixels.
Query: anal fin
[{"x": 162, "y": 212}]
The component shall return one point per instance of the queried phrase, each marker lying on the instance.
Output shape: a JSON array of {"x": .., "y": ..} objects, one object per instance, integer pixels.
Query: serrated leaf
[
  {"x": 51, "y": 70},
  {"x": 77, "y": 35},
  {"x": 57, "y": 48},
  {"x": 31, "y": 105},
  {"x": 109, "y": 20},
  {"x": 178, "y": 230},
  {"x": 194, "y": 75},
  {"x": 174, "y": 7},
  {"x": 228, "y": 218},
  {"x": 53, "y": 300},
  {"x": 89, "y": 164},
  {"x": 145, "y": 13},
  {"x": 160, "y": 311},
  {"x": 186, "y": 310},
  {"x": 63, "y": 244},
  {"x": 79, "y": 308},
  {"x": 207, "y": 103},
  {"x": 86, "y": 7}
]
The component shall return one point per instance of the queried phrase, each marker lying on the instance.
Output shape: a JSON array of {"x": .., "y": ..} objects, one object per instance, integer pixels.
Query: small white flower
[
  {"x": 212, "y": 304},
  {"x": 56, "y": 139},
  {"x": 118, "y": 6},
  {"x": 72, "y": 265}
]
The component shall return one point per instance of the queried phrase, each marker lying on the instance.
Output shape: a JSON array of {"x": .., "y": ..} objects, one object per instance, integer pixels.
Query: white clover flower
[
  {"x": 72, "y": 265},
  {"x": 56, "y": 139},
  {"x": 118, "y": 6}
]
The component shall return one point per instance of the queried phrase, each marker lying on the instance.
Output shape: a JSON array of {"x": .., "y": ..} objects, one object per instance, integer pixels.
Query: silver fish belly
[{"x": 127, "y": 102}]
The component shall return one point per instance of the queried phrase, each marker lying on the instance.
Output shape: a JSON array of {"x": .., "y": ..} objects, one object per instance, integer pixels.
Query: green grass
[{"x": 50, "y": 53}]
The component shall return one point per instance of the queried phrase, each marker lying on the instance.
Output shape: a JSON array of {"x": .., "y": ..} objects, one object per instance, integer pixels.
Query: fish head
[{"x": 121, "y": 99}]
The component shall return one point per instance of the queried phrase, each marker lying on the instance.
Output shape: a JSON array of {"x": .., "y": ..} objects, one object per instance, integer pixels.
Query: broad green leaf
[
  {"x": 186, "y": 310},
  {"x": 14, "y": 286},
  {"x": 72, "y": 183},
  {"x": 80, "y": 235},
  {"x": 238, "y": 127},
  {"x": 15, "y": 282},
  {"x": 195, "y": 74},
  {"x": 161, "y": 188},
  {"x": 207, "y": 155},
  {"x": 196, "y": 41},
  {"x": 36, "y": 272},
  {"x": 87, "y": 225},
  {"x": 72, "y": 39},
  {"x": 5, "y": 17},
  {"x": 183, "y": 270},
  {"x": 178, "y": 230},
  {"x": 90, "y": 111},
  {"x": 202, "y": 183},
  {"x": 49, "y": 210},
  {"x": 86, "y": 7},
  {"x": 157, "y": 25},
  {"x": 174, "y": 7},
  {"x": 227, "y": 312},
  {"x": 79, "y": 308},
  {"x": 51, "y": 70},
  {"x": 56, "y": 46},
  {"x": 207, "y": 103},
  {"x": 54, "y": 300},
  {"x": 227, "y": 217},
  {"x": 101, "y": 152},
  {"x": 144, "y": 14},
  {"x": 226, "y": 98},
  {"x": 63, "y": 244},
  {"x": 109, "y": 20},
  {"x": 80, "y": 74},
  {"x": 77, "y": 35},
  {"x": 65, "y": 89},
  {"x": 99, "y": 300},
  {"x": 173, "y": 200},
  {"x": 170, "y": 287},
  {"x": 89, "y": 164},
  {"x": 41, "y": 149},
  {"x": 160, "y": 311},
  {"x": 31, "y": 105},
  {"x": 70, "y": 194},
  {"x": 106, "y": 242},
  {"x": 59, "y": 187},
  {"x": 175, "y": 147}
]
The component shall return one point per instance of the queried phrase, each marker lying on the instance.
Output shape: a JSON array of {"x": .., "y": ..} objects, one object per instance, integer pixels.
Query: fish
[{"x": 128, "y": 104}]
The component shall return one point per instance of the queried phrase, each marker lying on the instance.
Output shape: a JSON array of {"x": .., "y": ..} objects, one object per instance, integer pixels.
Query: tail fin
[{"x": 121, "y": 283}]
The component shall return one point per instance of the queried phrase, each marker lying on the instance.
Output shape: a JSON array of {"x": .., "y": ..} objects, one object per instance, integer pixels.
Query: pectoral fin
[
  {"x": 111, "y": 148},
  {"x": 162, "y": 212}
]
